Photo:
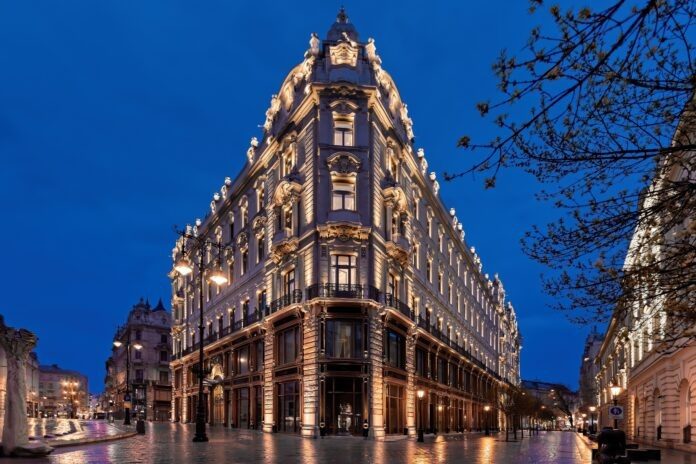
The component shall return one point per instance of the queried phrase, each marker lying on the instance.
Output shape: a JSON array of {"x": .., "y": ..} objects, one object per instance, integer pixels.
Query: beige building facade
[{"x": 350, "y": 286}]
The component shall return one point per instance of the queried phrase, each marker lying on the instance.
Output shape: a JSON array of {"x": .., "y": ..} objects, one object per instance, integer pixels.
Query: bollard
[
  {"x": 140, "y": 426},
  {"x": 366, "y": 429}
]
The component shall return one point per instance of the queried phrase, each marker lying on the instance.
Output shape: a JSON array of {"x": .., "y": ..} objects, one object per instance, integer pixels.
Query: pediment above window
[
  {"x": 287, "y": 192},
  {"x": 395, "y": 197}
]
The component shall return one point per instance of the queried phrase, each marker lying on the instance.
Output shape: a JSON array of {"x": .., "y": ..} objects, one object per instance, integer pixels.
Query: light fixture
[
  {"x": 217, "y": 276},
  {"x": 615, "y": 390},
  {"x": 486, "y": 408},
  {"x": 137, "y": 346},
  {"x": 593, "y": 408},
  {"x": 420, "y": 394},
  {"x": 117, "y": 343},
  {"x": 439, "y": 407},
  {"x": 183, "y": 266}
]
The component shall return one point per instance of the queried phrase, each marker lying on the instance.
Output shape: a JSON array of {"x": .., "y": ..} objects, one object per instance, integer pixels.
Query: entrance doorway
[{"x": 288, "y": 412}]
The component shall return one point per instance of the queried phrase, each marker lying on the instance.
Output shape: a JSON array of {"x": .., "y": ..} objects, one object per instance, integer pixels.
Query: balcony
[
  {"x": 285, "y": 300},
  {"x": 350, "y": 291}
]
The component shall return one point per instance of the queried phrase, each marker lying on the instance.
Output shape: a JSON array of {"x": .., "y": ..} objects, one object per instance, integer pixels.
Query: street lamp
[
  {"x": 70, "y": 389},
  {"x": 127, "y": 397},
  {"x": 215, "y": 275},
  {"x": 420, "y": 394},
  {"x": 592, "y": 424},
  {"x": 584, "y": 421},
  {"x": 615, "y": 391},
  {"x": 487, "y": 408}
]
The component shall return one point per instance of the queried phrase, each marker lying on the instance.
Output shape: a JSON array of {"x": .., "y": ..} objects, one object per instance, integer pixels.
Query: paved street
[{"x": 171, "y": 443}]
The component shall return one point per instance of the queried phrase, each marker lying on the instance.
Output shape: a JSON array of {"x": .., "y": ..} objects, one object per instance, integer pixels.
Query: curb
[{"x": 89, "y": 441}]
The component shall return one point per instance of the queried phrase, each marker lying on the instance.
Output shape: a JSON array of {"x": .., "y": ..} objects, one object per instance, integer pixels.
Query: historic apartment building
[
  {"x": 589, "y": 369},
  {"x": 146, "y": 335},
  {"x": 657, "y": 382},
  {"x": 350, "y": 287},
  {"x": 62, "y": 392}
]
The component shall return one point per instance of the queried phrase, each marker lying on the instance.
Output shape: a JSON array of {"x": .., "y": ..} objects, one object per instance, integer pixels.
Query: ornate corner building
[{"x": 350, "y": 285}]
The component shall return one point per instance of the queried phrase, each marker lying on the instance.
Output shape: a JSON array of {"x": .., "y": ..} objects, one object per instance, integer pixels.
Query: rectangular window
[
  {"x": 289, "y": 282},
  {"x": 344, "y": 339},
  {"x": 429, "y": 271},
  {"x": 138, "y": 354},
  {"x": 164, "y": 356},
  {"x": 343, "y": 196},
  {"x": 245, "y": 261},
  {"x": 396, "y": 350},
  {"x": 242, "y": 364},
  {"x": 343, "y": 270},
  {"x": 343, "y": 132},
  {"x": 163, "y": 338},
  {"x": 288, "y": 345},
  {"x": 420, "y": 363},
  {"x": 139, "y": 375},
  {"x": 259, "y": 357},
  {"x": 261, "y": 251},
  {"x": 164, "y": 376}
]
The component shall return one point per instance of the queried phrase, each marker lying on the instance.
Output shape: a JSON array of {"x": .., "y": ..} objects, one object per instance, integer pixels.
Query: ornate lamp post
[
  {"x": 487, "y": 409},
  {"x": 215, "y": 275},
  {"x": 420, "y": 394},
  {"x": 127, "y": 396},
  {"x": 615, "y": 391},
  {"x": 592, "y": 423}
]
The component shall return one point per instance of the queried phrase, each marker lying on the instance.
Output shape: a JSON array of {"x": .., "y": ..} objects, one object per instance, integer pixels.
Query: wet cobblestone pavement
[{"x": 171, "y": 443}]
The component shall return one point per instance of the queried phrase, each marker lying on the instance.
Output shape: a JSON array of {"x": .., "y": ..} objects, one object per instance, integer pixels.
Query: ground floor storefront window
[
  {"x": 342, "y": 405},
  {"x": 288, "y": 406},
  {"x": 242, "y": 406},
  {"x": 395, "y": 409}
]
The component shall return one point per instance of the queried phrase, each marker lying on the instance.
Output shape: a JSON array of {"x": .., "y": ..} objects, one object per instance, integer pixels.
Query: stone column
[
  {"x": 268, "y": 384},
  {"x": 376, "y": 394},
  {"x": 310, "y": 368},
  {"x": 411, "y": 398}
]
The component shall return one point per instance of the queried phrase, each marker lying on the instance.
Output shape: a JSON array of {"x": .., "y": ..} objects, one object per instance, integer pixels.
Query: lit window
[
  {"x": 289, "y": 282},
  {"x": 343, "y": 196},
  {"x": 343, "y": 132},
  {"x": 343, "y": 270},
  {"x": 261, "y": 252},
  {"x": 245, "y": 261}
]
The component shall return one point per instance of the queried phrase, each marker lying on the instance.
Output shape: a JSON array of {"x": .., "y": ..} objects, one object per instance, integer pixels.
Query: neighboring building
[
  {"x": 589, "y": 369},
  {"x": 151, "y": 388},
  {"x": 62, "y": 392},
  {"x": 350, "y": 285},
  {"x": 557, "y": 398},
  {"x": 658, "y": 382},
  {"x": 32, "y": 384}
]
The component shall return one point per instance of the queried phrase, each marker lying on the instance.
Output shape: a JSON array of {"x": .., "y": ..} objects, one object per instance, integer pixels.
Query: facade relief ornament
[
  {"x": 284, "y": 249},
  {"x": 395, "y": 197},
  {"x": 406, "y": 121},
  {"x": 314, "y": 43},
  {"x": 345, "y": 52},
  {"x": 242, "y": 240},
  {"x": 398, "y": 253},
  {"x": 253, "y": 143},
  {"x": 343, "y": 163},
  {"x": 343, "y": 231},
  {"x": 258, "y": 225},
  {"x": 287, "y": 192}
]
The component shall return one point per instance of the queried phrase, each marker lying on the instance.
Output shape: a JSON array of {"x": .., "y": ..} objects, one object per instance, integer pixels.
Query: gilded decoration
[{"x": 344, "y": 231}]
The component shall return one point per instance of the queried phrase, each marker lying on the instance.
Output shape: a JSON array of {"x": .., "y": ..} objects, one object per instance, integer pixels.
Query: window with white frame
[{"x": 343, "y": 270}]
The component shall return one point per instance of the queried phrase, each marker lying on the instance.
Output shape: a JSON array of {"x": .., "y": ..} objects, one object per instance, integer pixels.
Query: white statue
[
  {"x": 18, "y": 344},
  {"x": 314, "y": 44},
  {"x": 371, "y": 50}
]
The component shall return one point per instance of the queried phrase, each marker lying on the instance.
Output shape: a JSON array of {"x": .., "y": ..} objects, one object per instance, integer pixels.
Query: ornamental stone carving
[
  {"x": 343, "y": 163},
  {"x": 345, "y": 52},
  {"x": 395, "y": 198},
  {"x": 288, "y": 191},
  {"x": 343, "y": 231},
  {"x": 284, "y": 249},
  {"x": 271, "y": 112},
  {"x": 397, "y": 252},
  {"x": 258, "y": 225},
  {"x": 242, "y": 240}
]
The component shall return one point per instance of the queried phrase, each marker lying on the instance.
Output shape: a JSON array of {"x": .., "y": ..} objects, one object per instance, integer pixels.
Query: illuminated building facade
[{"x": 350, "y": 286}]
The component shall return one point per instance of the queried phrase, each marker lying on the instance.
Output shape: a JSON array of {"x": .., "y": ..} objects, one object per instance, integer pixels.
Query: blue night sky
[{"x": 119, "y": 119}]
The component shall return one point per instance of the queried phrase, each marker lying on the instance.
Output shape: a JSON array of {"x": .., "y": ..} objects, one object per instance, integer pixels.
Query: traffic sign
[{"x": 616, "y": 412}]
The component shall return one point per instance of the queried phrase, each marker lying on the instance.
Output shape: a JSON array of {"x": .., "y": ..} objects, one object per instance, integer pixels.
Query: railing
[
  {"x": 399, "y": 305},
  {"x": 285, "y": 300},
  {"x": 352, "y": 291}
]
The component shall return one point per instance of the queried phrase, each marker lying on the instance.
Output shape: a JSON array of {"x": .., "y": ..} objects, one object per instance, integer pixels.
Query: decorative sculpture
[
  {"x": 17, "y": 344},
  {"x": 314, "y": 44}
]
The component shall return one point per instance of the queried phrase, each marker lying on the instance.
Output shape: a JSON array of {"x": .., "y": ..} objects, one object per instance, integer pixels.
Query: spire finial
[{"x": 342, "y": 17}]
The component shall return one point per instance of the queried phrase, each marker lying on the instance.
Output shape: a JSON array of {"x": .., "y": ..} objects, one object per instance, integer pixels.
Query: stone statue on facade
[
  {"x": 17, "y": 344},
  {"x": 314, "y": 44}
]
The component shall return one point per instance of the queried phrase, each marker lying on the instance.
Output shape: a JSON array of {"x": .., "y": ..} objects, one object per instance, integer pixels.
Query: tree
[
  {"x": 602, "y": 111},
  {"x": 510, "y": 400},
  {"x": 564, "y": 403}
]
